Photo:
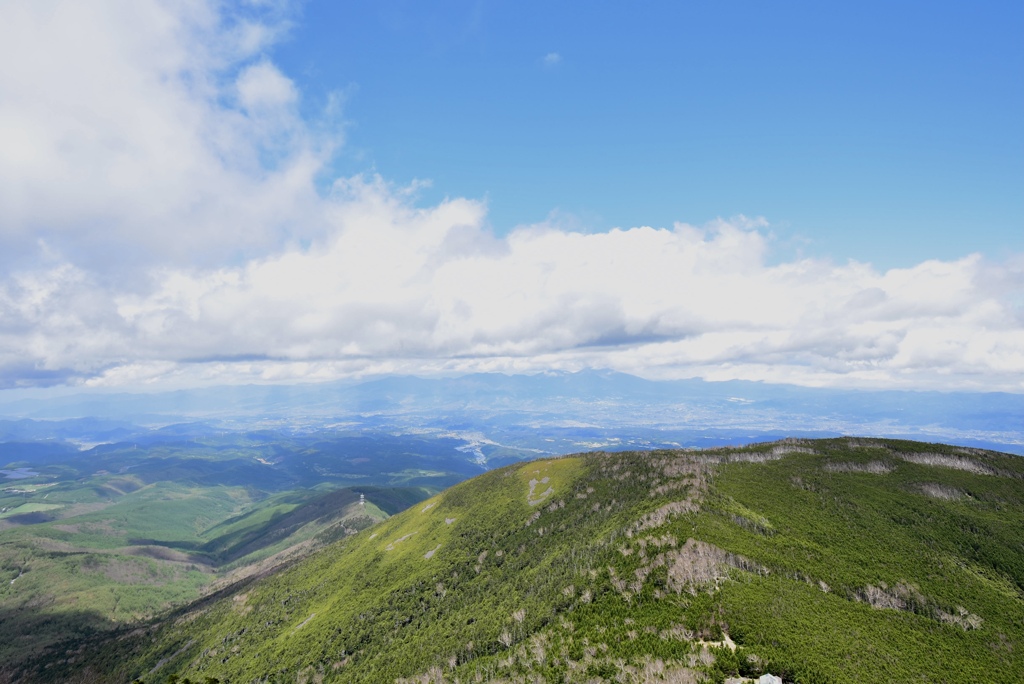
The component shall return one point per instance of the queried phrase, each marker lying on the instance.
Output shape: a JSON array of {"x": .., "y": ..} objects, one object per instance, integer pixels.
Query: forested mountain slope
[{"x": 819, "y": 561}]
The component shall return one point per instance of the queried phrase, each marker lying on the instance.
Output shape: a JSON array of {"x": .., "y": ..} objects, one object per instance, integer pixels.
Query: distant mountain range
[{"x": 687, "y": 412}]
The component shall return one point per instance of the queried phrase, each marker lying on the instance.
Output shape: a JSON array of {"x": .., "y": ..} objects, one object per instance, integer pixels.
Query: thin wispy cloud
[
  {"x": 552, "y": 59},
  {"x": 160, "y": 223}
]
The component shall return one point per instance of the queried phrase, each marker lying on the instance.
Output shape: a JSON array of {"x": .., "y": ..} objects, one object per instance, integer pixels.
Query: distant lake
[{"x": 18, "y": 473}]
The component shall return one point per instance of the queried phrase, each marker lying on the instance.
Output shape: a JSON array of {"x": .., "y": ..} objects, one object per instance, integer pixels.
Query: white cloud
[
  {"x": 551, "y": 59},
  {"x": 395, "y": 287},
  {"x": 159, "y": 224},
  {"x": 116, "y": 145},
  {"x": 261, "y": 86}
]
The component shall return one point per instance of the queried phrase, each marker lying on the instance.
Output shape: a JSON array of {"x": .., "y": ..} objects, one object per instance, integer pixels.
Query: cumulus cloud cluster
[
  {"x": 140, "y": 129},
  {"x": 160, "y": 222}
]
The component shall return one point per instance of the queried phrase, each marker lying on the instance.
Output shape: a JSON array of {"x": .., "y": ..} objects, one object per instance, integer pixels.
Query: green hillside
[
  {"x": 819, "y": 561},
  {"x": 158, "y": 546}
]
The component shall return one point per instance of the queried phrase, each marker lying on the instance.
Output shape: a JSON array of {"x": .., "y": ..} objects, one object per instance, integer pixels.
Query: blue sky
[
  {"x": 268, "y": 191},
  {"x": 887, "y": 132}
]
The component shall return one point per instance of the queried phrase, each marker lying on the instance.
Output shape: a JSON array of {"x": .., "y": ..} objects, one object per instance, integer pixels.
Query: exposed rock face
[
  {"x": 874, "y": 467},
  {"x": 941, "y": 491},
  {"x": 698, "y": 563},
  {"x": 946, "y": 461}
]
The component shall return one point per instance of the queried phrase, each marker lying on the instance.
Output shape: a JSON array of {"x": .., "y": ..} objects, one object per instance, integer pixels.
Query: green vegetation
[
  {"x": 29, "y": 508},
  {"x": 129, "y": 557},
  {"x": 820, "y": 561},
  {"x": 113, "y": 535}
]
